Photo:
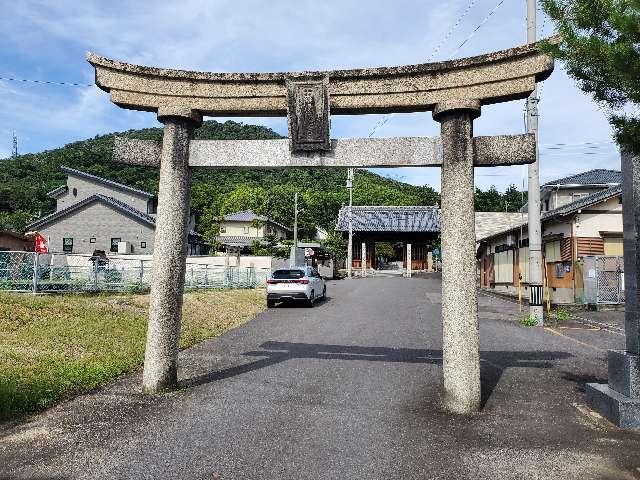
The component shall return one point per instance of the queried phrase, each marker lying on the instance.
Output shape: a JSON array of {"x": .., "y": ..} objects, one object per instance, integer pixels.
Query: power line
[
  {"x": 442, "y": 42},
  {"x": 46, "y": 82},
  {"x": 452, "y": 29},
  {"x": 486, "y": 19}
]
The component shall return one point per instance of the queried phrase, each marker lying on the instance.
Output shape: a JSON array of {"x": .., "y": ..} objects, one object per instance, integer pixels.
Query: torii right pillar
[
  {"x": 460, "y": 337},
  {"x": 619, "y": 399}
]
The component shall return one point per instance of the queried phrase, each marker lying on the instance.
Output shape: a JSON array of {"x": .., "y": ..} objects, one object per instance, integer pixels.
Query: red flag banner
[{"x": 41, "y": 244}]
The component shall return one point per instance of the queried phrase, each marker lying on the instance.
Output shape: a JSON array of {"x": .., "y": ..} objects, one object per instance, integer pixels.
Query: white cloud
[{"x": 48, "y": 39}]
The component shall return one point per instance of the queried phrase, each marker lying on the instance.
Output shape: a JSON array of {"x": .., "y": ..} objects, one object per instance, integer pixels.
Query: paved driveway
[{"x": 348, "y": 389}]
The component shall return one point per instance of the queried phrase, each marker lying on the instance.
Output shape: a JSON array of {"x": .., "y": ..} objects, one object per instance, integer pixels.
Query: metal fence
[
  {"x": 29, "y": 271},
  {"x": 604, "y": 279}
]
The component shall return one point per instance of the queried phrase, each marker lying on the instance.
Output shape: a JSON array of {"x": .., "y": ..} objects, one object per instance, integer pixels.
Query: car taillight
[
  {"x": 304, "y": 280},
  {"x": 271, "y": 282}
]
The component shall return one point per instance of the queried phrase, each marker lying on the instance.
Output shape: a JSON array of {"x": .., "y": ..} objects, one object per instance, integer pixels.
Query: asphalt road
[{"x": 348, "y": 389}]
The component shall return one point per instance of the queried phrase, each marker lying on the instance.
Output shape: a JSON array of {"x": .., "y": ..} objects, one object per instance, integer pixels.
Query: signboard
[
  {"x": 41, "y": 244},
  {"x": 308, "y": 252}
]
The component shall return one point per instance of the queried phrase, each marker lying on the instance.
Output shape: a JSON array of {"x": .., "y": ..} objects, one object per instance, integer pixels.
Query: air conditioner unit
[{"x": 124, "y": 248}]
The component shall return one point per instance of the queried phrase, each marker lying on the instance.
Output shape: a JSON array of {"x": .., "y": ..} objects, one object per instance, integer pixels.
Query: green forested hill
[{"x": 25, "y": 180}]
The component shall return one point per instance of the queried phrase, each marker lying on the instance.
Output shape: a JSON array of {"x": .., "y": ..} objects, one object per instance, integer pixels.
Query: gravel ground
[{"x": 348, "y": 389}]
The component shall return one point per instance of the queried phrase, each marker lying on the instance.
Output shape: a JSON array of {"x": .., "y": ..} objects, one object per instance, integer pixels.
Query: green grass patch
[
  {"x": 560, "y": 314},
  {"x": 527, "y": 320},
  {"x": 55, "y": 346}
]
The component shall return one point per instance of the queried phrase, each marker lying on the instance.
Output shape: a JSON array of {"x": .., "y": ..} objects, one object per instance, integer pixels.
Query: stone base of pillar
[
  {"x": 619, "y": 400},
  {"x": 621, "y": 410}
]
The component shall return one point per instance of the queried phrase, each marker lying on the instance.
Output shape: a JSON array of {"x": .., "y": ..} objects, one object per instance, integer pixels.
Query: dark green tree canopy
[{"x": 600, "y": 44}]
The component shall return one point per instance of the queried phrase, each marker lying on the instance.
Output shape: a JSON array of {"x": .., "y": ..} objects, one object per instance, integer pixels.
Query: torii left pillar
[{"x": 170, "y": 251}]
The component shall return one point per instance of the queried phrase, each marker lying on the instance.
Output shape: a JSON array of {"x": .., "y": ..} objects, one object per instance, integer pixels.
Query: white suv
[{"x": 295, "y": 283}]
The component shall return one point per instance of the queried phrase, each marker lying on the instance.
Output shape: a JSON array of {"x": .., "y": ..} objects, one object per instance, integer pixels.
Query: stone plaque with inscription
[{"x": 308, "y": 112}]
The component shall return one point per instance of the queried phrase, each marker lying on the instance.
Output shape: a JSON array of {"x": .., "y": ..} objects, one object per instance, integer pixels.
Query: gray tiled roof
[
  {"x": 598, "y": 176},
  {"x": 56, "y": 192},
  {"x": 390, "y": 219},
  {"x": 249, "y": 216},
  {"x": 105, "y": 181},
  {"x": 117, "y": 204},
  {"x": 491, "y": 223},
  {"x": 239, "y": 241},
  {"x": 583, "y": 202},
  {"x": 567, "y": 209}
]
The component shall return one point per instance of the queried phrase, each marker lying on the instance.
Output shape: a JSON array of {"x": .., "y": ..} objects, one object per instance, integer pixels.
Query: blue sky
[{"x": 47, "y": 40}]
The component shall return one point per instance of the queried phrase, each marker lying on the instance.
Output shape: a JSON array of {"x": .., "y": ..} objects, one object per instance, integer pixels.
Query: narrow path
[{"x": 348, "y": 389}]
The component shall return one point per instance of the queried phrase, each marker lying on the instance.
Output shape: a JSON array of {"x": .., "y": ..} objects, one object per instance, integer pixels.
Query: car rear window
[{"x": 282, "y": 274}]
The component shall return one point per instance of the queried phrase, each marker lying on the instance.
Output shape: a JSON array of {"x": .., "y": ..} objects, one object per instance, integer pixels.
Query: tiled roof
[
  {"x": 117, "y": 204},
  {"x": 492, "y": 223},
  {"x": 390, "y": 219},
  {"x": 583, "y": 202},
  {"x": 56, "y": 192},
  {"x": 249, "y": 216},
  {"x": 239, "y": 241},
  {"x": 598, "y": 176},
  {"x": 567, "y": 209},
  {"x": 105, "y": 181}
]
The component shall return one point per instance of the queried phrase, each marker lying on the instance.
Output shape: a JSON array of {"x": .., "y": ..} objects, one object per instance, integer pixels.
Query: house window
[
  {"x": 245, "y": 230},
  {"x": 143, "y": 244},
  {"x": 114, "y": 244},
  {"x": 223, "y": 229},
  {"x": 67, "y": 244},
  {"x": 92, "y": 240}
]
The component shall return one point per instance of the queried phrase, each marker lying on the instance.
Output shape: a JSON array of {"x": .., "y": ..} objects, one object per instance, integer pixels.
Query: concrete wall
[
  {"x": 85, "y": 188},
  {"x": 605, "y": 217},
  {"x": 101, "y": 222},
  {"x": 11, "y": 242}
]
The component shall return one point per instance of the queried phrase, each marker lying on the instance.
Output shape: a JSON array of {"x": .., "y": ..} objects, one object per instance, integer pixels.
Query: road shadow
[
  {"x": 493, "y": 363},
  {"x": 302, "y": 304}
]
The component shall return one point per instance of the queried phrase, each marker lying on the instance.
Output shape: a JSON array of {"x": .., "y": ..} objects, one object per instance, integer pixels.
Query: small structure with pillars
[
  {"x": 453, "y": 90},
  {"x": 411, "y": 230}
]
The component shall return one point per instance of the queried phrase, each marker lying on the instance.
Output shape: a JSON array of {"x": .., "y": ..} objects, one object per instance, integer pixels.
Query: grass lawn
[{"x": 53, "y": 346}]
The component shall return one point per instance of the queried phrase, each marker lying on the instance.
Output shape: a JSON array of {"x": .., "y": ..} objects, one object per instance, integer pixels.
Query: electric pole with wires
[{"x": 535, "y": 229}]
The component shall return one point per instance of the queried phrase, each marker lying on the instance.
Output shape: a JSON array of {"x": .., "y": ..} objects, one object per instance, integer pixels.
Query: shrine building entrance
[{"x": 392, "y": 239}]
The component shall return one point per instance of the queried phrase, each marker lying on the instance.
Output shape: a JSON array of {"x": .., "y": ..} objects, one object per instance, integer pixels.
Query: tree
[{"x": 599, "y": 44}]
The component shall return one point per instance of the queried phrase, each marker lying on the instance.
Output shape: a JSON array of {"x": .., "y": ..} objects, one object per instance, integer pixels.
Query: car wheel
[
  {"x": 271, "y": 303},
  {"x": 311, "y": 299}
]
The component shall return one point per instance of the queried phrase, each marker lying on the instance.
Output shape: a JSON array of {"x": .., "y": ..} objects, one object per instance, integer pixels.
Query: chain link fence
[
  {"x": 42, "y": 273},
  {"x": 604, "y": 279}
]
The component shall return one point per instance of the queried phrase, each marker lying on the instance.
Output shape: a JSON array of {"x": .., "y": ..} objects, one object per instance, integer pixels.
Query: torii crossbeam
[{"x": 454, "y": 91}]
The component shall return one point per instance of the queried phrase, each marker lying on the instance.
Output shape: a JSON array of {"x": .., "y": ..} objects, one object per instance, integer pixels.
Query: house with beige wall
[
  {"x": 94, "y": 213},
  {"x": 590, "y": 225},
  {"x": 241, "y": 229}
]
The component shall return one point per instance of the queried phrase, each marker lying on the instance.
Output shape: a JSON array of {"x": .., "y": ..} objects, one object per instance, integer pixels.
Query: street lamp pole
[{"x": 350, "y": 245}]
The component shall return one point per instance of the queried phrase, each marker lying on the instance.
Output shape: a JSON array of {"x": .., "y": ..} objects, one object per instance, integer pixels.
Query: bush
[{"x": 528, "y": 320}]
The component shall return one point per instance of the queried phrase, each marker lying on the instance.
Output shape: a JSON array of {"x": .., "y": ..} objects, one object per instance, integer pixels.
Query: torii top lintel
[{"x": 491, "y": 78}]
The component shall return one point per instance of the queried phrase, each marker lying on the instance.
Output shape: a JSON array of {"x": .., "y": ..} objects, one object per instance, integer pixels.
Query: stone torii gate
[{"x": 454, "y": 91}]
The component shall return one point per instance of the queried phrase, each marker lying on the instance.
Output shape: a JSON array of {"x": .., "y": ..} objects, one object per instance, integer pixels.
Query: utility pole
[
  {"x": 535, "y": 228},
  {"x": 294, "y": 250},
  {"x": 350, "y": 245},
  {"x": 14, "y": 150}
]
